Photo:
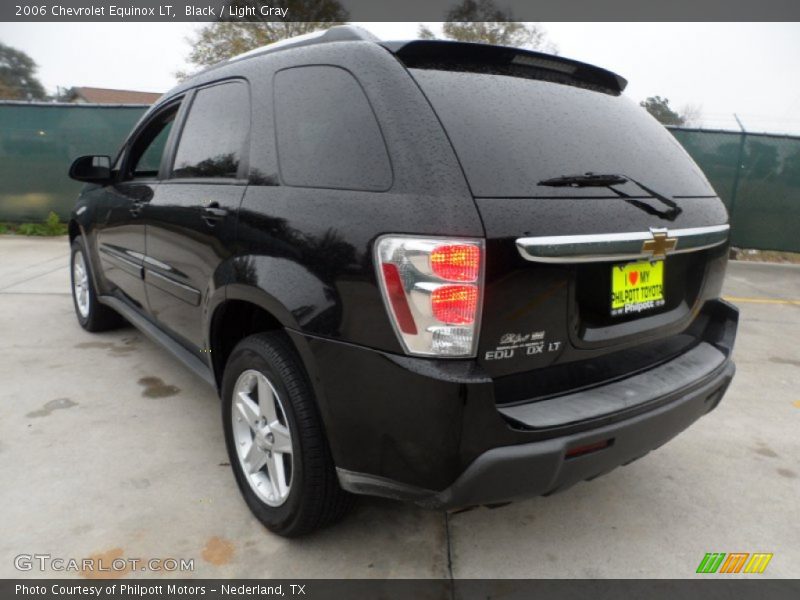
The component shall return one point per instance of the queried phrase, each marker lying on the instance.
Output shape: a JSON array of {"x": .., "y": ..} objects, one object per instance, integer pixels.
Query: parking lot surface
[{"x": 110, "y": 448}]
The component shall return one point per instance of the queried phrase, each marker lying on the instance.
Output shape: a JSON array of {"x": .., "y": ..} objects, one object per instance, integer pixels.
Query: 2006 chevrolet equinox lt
[{"x": 456, "y": 274}]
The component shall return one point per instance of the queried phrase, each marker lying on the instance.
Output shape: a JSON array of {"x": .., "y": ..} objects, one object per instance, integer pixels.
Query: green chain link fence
[
  {"x": 756, "y": 175},
  {"x": 37, "y": 145}
]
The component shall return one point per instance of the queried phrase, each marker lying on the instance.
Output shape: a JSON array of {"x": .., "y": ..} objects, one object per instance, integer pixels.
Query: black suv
[{"x": 450, "y": 273}]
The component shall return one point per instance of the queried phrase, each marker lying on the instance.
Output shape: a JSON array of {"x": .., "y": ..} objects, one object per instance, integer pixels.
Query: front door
[
  {"x": 192, "y": 217},
  {"x": 120, "y": 226}
]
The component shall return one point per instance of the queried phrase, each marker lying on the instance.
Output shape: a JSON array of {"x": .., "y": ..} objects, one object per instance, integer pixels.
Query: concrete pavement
[{"x": 109, "y": 447}]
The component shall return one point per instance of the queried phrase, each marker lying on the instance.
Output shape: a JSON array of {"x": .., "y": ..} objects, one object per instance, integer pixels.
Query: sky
[{"x": 721, "y": 68}]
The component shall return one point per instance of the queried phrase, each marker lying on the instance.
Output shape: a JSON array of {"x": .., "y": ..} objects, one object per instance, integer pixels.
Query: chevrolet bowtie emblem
[{"x": 660, "y": 245}]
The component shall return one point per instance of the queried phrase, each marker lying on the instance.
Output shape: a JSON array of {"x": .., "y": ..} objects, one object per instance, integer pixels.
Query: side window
[
  {"x": 327, "y": 134},
  {"x": 213, "y": 138},
  {"x": 144, "y": 158}
]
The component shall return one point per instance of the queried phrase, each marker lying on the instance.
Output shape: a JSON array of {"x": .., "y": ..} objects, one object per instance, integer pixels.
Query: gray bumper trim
[{"x": 695, "y": 365}]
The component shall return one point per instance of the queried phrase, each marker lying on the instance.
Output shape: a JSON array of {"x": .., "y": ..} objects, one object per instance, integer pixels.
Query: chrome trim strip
[
  {"x": 602, "y": 247},
  {"x": 166, "y": 284},
  {"x": 122, "y": 260}
]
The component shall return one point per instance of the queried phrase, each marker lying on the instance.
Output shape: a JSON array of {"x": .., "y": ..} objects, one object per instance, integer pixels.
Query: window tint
[
  {"x": 151, "y": 157},
  {"x": 213, "y": 137},
  {"x": 511, "y": 133},
  {"x": 147, "y": 149},
  {"x": 327, "y": 134}
]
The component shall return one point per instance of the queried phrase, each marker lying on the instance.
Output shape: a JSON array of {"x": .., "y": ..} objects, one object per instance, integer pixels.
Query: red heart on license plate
[{"x": 633, "y": 277}]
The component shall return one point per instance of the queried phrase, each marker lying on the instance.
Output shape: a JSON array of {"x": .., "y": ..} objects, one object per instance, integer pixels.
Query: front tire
[
  {"x": 275, "y": 439},
  {"x": 92, "y": 315}
]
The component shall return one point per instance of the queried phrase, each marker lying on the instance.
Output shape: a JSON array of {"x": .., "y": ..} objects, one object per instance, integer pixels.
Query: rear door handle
[
  {"x": 213, "y": 213},
  {"x": 136, "y": 208}
]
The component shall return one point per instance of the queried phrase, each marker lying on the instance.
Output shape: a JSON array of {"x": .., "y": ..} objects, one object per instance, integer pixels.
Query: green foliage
[
  {"x": 18, "y": 76},
  {"x": 54, "y": 226},
  {"x": 222, "y": 40},
  {"x": 30, "y": 229},
  {"x": 659, "y": 107},
  {"x": 51, "y": 227},
  {"x": 482, "y": 21}
]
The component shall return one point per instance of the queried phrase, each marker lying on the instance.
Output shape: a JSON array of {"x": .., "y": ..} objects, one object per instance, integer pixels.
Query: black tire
[
  {"x": 315, "y": 498},
  {"x": 98, "y": 317}
]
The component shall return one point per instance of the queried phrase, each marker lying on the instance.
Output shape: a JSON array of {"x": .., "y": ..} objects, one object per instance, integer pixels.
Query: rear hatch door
[{"x": 575, "y": 267}]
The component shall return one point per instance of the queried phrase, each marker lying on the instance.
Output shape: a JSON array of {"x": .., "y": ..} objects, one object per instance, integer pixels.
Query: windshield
[{"x": 511, "y": 133}]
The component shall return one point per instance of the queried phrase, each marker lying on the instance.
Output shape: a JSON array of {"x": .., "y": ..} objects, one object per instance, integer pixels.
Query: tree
[
  {"x": 482, "y": 21},
  {"x": 18, "y": 76},
  {"x": 222, "y": 40},
  {"x": 659, "y": 107},
  {"x": 692, "y": 115}
]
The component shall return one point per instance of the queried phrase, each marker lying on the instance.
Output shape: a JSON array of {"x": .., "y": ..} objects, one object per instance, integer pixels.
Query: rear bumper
[
  {"x": 514, "y": 472},
  {"x": 431, "y": 432}
]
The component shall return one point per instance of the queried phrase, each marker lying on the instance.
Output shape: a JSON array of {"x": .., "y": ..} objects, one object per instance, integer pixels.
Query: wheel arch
[
  {"x": 245, "y": 311},
  {"x": 73, "y": 230}
]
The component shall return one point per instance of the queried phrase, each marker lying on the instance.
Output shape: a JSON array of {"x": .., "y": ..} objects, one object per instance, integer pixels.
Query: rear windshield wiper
[
  {"x": 585, "y": 180},
  {"x": 610, "y": 179}
]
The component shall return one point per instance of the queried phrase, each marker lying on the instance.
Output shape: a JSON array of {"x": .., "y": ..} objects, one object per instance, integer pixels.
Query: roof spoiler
[{"x": 503, "y": 60}]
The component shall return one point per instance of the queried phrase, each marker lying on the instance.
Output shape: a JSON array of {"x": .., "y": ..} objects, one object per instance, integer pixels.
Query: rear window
[{"x": 510, "y": 133}]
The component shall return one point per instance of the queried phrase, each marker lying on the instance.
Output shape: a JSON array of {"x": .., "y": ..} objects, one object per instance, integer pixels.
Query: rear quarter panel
[{"x": 311, "y": 248}]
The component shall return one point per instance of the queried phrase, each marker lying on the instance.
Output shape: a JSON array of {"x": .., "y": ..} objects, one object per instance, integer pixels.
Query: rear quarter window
[
  {"x": 510, "y": 133},
  {"x": 327, "y": 134}
]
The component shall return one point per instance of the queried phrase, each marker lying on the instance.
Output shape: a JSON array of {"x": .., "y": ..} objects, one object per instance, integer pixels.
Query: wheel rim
[
  {"x": 262, "y": 437},
  {"x": 80, "y": 284}
]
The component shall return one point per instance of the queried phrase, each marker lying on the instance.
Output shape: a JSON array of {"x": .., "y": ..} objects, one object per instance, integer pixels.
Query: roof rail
[
  {"x": 504, "y": 60},
  {"x": 45, "y": 104},
  {"x": 339, "y": 33}
]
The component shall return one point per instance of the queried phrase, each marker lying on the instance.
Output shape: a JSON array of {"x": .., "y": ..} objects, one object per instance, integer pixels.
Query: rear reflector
[
  {"x": 397, "y": 298},
  {"x": 588, "y": 448},
  {"x": 432, "y": 315}
]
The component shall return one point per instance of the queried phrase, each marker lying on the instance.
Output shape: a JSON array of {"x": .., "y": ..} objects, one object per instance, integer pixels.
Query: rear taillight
[
  {"x": 432, "y": 288},
  {"x": 456, "y": 262},
  {"x": 455, "y": 304}
]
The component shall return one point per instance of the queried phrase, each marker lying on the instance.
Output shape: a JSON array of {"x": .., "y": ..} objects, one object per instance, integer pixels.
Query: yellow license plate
[{"x": 637, "y": 287}]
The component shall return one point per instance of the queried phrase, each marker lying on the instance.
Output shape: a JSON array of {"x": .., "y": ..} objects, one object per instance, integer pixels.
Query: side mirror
[{"x": 91, "y": 169}]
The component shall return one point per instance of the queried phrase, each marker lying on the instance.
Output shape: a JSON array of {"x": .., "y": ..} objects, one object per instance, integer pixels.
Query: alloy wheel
[
  {"x": 262, "y": 437},
  {"x": 80, "y": 284}
]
